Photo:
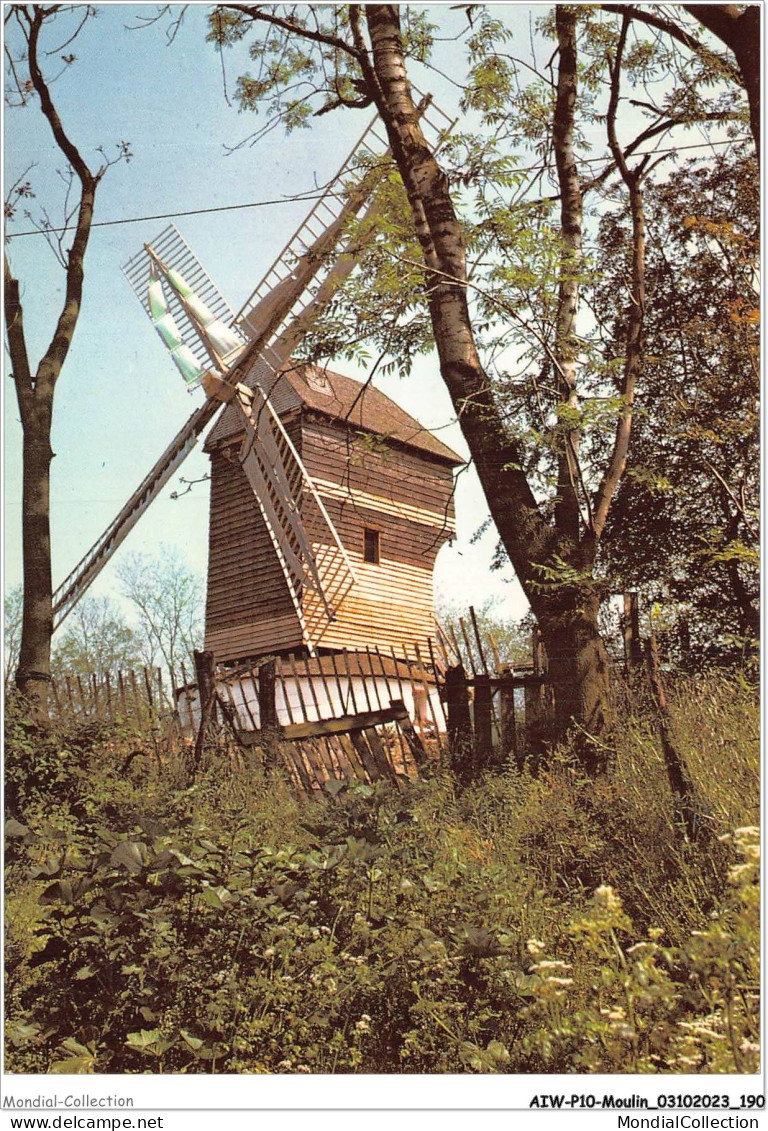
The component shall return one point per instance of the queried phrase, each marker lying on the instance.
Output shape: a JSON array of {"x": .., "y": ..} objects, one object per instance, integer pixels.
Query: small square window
[{"x": 371, "y": 546}]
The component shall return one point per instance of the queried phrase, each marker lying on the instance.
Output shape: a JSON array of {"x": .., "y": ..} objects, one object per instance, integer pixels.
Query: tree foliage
[
  {"x": 97, "y": 640},
  {"x": 13, "y": 608},
  {"x": 685, "y": 529},
  {"x": 545, "y": 398},
  {"x": 168, "y": 600}
]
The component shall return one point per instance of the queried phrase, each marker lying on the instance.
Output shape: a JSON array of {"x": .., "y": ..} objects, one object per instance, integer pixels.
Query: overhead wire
[{"x": 301, "y": 197}]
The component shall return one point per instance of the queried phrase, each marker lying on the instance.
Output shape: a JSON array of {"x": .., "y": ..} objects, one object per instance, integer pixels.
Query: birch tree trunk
[{"x": 566, "y": 611}]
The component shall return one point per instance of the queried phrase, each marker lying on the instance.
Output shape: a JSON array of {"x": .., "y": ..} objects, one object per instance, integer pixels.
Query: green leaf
[
  {"x": 102, "y": 916},
  {"x": 14, "y": 828},
  {"x": 20, "y": 1034},
  {"x": 143, "y": 1039},
  {"x": 74, "y": 1066},
  {"x": 81, "y": 1063},
  {"x": 65, "y": 891},
  {"x": 129, "y": 854},
  {"x": 149, "y": 1042},
  {"x": 194, "y": 1042},
  {"x": 216, "y": 897}
]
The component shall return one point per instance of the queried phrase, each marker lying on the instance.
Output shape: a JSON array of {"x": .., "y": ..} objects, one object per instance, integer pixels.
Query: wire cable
[{"x": 308, "y": 196}]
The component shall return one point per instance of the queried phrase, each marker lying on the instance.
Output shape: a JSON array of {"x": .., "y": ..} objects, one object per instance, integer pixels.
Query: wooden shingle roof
[{"x": 339, "y": 398}]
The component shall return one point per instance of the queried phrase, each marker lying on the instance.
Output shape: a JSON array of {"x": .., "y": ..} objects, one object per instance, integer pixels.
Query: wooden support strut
[{"x": 396, "y": 713}]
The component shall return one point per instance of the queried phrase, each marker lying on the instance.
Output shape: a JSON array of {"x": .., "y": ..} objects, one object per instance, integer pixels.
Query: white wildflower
[
  {"x": 606, "y": 898},
  {"x": 535, "y": 946},
  {"x": 698, "y": 1029}
]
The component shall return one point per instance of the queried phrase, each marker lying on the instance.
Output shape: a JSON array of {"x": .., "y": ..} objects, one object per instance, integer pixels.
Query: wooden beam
[{"x": 343, "y": 725}]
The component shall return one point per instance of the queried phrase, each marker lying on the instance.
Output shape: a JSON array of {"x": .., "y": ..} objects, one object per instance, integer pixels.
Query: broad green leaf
[{"x": 129, "y": 854}]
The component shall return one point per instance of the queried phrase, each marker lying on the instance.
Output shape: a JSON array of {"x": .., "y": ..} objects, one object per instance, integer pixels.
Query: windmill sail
[
  {"x": 89, "y": 567},
  {"x": 164, "y": 323},
  {"x": 174, "y": 253},
  {"x": 220, "y": 340},
  {"x": 318, "y": 578}
]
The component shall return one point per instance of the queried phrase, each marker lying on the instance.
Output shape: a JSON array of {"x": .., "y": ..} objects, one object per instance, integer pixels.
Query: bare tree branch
[{"x": 634, "y": 341}]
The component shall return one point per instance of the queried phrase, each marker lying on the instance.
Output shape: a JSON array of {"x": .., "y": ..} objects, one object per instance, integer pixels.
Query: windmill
[{"x": 220, "y": 351}]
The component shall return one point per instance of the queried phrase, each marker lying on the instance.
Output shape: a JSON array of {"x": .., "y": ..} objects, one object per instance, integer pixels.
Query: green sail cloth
[
  {"x": 164, "y": 323},
  {"x": 223, "y": 339}
]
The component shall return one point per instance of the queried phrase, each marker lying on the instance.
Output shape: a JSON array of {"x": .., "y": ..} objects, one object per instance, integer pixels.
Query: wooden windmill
[{"x": 291, "y": 545}]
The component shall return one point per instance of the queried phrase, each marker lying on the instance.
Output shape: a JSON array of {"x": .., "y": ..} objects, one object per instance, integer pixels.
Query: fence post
[
  {"x": 508, "y": 715},
  {"x": 266, "y": 686},
  {"x": 483, "y": 730},
  {"x": 459, "y": 720},
  {"x": 677, "y": 772},
  {"x": 266, "y": 696},
  {"x": 205, "y": 671},
  {"x": 533, "y": 693}
]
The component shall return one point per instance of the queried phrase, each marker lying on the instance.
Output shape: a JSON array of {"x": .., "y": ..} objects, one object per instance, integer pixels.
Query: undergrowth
[{"x": 527, "y": 923}]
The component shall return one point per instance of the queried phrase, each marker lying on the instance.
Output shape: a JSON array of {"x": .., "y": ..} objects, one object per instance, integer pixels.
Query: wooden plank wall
[
  {"x": 408, "y": 500},
  {"x": 249, "y": 610},
  {"x": 388, "y": 479}
]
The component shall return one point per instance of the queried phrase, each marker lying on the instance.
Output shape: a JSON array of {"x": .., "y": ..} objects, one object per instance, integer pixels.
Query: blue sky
[{"x": 119, "y": 399}]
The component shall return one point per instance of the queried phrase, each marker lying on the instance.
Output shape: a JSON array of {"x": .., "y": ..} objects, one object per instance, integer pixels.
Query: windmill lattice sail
[{"x": 90, "y": 566}]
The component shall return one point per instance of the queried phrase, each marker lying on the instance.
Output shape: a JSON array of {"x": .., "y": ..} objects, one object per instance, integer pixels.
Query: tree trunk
[
  {"x": 740, "y": 31},
  {"x": 35, "y": 393},
  {"x": 34, "y": 670},
  {"x": 567, "y": 516},
  {"x": 579, "y": 672},
  {"x": 530, "y": 541}
]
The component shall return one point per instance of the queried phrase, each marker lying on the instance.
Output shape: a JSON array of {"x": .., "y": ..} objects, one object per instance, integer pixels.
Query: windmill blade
[
  {"x": 305, "y": 266},
  {"x": 87, "y": 570},
  {"x": 262, "y": 316},
  {"x": 171, "y": 248}
]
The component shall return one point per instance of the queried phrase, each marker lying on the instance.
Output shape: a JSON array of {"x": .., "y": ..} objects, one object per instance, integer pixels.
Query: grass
[{"x": 526, "y": 923}]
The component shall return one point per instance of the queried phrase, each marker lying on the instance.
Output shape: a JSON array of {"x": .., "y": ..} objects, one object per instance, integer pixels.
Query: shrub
[{"x": 524, "y": 924}]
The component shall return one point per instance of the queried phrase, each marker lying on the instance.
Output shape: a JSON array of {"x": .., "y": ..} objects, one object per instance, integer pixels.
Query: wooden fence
[
  {"x": 489, "y": 703},
  {"x": 142, "y": 695},
  {"x": 367, "y": 713},
  {"x": 358, "y": 714}
]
